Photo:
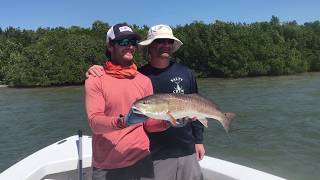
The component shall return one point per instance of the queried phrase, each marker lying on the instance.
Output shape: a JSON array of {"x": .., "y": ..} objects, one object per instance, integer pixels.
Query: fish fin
[
  {"x": 172, "y": 119},
  {"x": 227, "y": 120},
  {"x": 204, "y": 122},
  {"x": 135, "y": 110}
]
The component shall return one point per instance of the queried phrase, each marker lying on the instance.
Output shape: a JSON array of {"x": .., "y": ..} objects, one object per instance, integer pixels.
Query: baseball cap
[{"x": 120, "y": 31}]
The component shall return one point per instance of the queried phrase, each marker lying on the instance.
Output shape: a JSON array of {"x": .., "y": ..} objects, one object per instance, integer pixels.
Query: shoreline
[{"x": 198, "y": 78}]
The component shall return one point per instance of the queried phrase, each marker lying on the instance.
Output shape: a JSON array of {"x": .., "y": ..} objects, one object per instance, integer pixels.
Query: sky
[{"x": 32, "y": 14}]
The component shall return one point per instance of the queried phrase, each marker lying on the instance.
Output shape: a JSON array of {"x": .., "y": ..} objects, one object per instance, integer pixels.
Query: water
[{"x": 276, "y": 130}]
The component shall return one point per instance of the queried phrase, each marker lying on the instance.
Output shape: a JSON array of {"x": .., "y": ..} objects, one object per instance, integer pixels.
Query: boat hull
[{"x": 59, "y": 161}]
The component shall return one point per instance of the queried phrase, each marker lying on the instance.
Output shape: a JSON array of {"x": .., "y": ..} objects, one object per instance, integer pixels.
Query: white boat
[{"x": 60, "y": 161}]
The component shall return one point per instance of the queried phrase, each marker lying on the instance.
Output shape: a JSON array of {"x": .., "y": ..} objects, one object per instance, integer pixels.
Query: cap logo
[{"x": 125, "y": 28}]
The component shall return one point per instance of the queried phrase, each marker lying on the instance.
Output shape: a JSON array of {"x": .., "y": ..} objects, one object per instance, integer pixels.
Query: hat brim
[
  {"x": 176, "y": 45},
  {"x": 128, "y": 35}
]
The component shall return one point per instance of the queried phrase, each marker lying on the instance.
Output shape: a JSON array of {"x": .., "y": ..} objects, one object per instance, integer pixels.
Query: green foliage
[
  {"x": 49, "y": 56},
  {"x": 61, "y": 56},
  {"x": 237, "y": 50}
]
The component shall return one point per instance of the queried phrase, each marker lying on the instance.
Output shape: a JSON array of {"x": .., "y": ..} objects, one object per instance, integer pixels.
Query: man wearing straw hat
[{"x": 176, "y": 151}]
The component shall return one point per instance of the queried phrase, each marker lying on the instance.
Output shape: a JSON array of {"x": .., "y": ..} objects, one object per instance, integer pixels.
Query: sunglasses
[
  {"x": 164, "y": 40},
  {"x": 127, "y": 42}
]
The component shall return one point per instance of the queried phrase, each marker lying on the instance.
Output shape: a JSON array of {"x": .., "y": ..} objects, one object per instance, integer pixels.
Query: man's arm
[
  {"x": 95, "y": 104},
  {"x": 197, "y": 127}
]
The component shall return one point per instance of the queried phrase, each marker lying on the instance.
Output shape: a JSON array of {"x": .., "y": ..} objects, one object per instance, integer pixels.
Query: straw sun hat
[{"x": 161, "y": 32}]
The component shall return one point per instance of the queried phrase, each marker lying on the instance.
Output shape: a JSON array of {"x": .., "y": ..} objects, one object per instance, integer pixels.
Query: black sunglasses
[
  {"x": 127, "y": 42},
  {"x": 164, "y": 40}
]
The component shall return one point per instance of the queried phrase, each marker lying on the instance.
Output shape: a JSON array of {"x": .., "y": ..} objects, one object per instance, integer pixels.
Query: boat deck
[{"x": 59, "y": 161}]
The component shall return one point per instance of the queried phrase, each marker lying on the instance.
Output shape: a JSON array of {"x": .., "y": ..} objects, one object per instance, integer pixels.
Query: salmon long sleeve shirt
[{"x": 107, "y": 97}]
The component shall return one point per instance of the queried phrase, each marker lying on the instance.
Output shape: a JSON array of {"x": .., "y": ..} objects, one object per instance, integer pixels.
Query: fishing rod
[{"x": 80, "y": 155}]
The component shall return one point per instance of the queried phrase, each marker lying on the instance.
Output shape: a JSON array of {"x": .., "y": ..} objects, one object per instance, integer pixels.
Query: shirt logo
[{"x": 178, "y": 88}]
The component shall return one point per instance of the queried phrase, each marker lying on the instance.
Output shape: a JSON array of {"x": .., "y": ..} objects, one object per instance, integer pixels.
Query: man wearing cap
[
  {"x": 176, "y": 151},
  {"x": 119, "y": 151}
]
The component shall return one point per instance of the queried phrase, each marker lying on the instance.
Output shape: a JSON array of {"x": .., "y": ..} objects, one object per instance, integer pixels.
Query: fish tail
[{"x": 227, "y": 120}]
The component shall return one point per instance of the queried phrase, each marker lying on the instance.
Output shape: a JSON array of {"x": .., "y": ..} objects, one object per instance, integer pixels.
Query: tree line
[{"x": 60, "y": 56}]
